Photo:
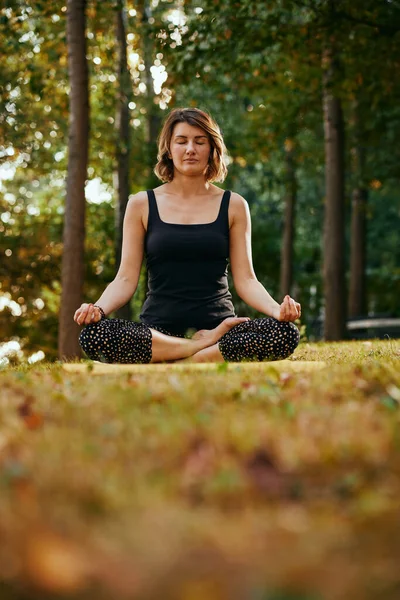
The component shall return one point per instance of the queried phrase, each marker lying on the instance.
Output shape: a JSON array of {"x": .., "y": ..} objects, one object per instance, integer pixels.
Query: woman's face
[{"x": 190, "y": 149}]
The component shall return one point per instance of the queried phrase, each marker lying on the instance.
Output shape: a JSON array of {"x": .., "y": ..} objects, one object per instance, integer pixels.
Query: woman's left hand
[{"x": 290, "y": 310}]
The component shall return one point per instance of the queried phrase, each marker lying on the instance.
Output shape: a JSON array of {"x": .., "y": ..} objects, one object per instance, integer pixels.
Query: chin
[{"x": 193, "y": 169}]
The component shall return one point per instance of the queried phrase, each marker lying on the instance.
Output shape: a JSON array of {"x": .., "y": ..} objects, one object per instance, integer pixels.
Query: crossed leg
[
  {"x": 171, "y": 348},
  {"x": 122, "y": 341},
  {"x": 236, "y": 339},
  {"x": 253, "y": 340}
]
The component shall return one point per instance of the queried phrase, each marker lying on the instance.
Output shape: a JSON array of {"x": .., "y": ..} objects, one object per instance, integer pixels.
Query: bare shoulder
[
  {"x": 238, "y": 208},
  {"x": 138, "y": 200},
  {"x": 238, "y": 200},
  {"x": 138, "y": 208}
]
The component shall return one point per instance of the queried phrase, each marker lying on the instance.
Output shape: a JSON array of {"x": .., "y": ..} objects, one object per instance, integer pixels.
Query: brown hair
[{"x": 217, "y": 170}]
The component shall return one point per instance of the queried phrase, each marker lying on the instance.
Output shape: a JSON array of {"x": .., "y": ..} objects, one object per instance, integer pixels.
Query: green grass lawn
[{"x": 230, "y": 481}]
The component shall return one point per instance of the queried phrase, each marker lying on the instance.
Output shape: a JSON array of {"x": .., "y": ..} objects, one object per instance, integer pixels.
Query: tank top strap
[
  {"x": 154, "y": 217},
  {"x": 223, "y": 217}
]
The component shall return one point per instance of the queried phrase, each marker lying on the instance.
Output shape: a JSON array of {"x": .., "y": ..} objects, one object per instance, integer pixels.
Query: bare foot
[{"x": 213, "y": 335}]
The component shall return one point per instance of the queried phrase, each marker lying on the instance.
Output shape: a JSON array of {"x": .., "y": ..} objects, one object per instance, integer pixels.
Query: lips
[{"x": 190, "y": 160}]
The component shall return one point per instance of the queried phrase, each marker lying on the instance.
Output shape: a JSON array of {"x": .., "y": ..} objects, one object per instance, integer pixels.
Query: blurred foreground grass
[{"x": 227, "y": 482}]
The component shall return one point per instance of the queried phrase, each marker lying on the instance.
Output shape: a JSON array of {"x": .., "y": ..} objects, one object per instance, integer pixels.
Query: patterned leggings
[{"x": 121, "y": 341}]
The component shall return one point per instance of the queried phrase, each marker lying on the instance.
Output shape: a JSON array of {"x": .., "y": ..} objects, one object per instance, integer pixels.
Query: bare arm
[
  {"x": 123, "y": 286},
  {"x": 246, "y": 283}
]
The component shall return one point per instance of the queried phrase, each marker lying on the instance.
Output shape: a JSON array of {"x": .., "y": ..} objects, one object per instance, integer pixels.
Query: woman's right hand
[
  {"x": 289, "y": 310},
  {"x": 87, "y": 313}
]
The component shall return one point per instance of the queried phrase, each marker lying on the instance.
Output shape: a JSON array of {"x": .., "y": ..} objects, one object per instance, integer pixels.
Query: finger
[
  {"x": 287, "y": 307},
  {"x": 85, "y": 318},
  {"x": 90, "y": 315},
  {"x": 94, "y": 314},
  {"x": 293, "y": 309},
  {"x": 78, "y": 317},
  {"x": 97, "y": 315},
  {"x": 82, "y": 317},
  {"x": 78, "y": 314},
  {"x": 283, "y": 310}
]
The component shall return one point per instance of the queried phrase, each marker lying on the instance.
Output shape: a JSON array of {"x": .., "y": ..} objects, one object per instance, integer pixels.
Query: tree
[
  {"x": 123, "y": 140},
  {"x": 357, "y": 276},
  {"x": 334, "y": 238},
  {"x": 286, "y": 267},
  {"x": 72, "y": 275}
]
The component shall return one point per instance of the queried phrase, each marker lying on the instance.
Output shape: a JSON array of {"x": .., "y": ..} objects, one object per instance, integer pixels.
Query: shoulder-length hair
[{"x": 217, "y": 169}]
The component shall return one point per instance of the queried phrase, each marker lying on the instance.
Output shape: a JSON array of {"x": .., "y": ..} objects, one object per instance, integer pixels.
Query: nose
[{"x": 190, "y": 147}]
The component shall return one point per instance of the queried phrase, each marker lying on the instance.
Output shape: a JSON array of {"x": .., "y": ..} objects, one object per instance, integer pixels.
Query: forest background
[{"x": 307, "y": 96}]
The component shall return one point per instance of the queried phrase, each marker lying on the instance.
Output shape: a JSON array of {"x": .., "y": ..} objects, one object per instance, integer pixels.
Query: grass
[{"x": 229, "y": 482}]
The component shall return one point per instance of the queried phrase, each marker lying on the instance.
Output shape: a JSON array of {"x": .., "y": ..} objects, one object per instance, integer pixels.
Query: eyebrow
[{"x": 196, "y": 136}]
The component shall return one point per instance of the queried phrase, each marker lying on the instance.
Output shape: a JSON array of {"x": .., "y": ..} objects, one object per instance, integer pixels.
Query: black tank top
[{"x": 187, "y": 269}]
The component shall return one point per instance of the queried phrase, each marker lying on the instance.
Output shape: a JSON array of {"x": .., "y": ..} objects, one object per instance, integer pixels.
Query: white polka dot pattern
[
  {"x": 122, "y": 341},
  {"x": 258, "y": 340}
]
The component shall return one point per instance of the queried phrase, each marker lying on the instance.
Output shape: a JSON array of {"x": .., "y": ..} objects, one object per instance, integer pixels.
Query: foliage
[
  {"x": 256, "y": 67},
  {"x": 30, "y": 273}
]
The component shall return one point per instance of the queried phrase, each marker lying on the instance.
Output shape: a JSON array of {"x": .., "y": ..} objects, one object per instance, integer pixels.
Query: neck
[{"x": 190, "y": 187}]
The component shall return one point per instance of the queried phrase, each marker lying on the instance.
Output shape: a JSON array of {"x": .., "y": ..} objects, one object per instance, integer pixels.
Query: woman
[{"x": 188, "y": 232}]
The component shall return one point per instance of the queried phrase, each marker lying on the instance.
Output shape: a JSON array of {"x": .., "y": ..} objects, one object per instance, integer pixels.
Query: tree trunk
[
  {"x": 123, "y": 143},
  {"x": 357, "y": 287},
  {"x": 357, "y": 292},
  {"x": 153, "y": 118},
  {"x": 74, "y": 220},
  {"x": 286, "y": 274},
  {"x": 334, "y": 235},
  {"x": 152, "y": 112}
]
